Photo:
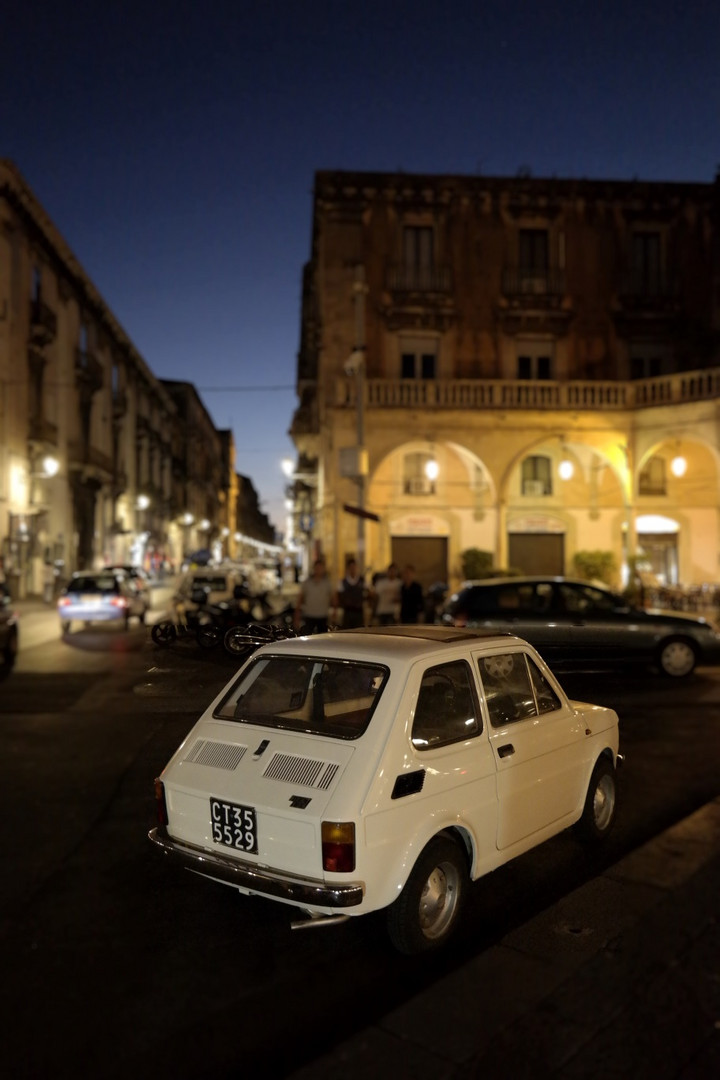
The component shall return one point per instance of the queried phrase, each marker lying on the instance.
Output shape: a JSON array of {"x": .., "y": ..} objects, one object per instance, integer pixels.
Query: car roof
[
  {"x": 386, "y": 643},
  {"x": 531, "y": 579},
  {"x": 106, "y": 571}
]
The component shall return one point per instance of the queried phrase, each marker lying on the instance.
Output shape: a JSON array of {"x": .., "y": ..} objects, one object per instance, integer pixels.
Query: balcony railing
[
  {"x": 640, "y": 285},
  {"x": 81, "y": 455},
  {"x": 43, "y": 322},
  {"x": 529, "y": 281},
  {"x": 41, "y": 430},
  {"x": 88, "y": 370},
  {"x": 531, "y": 394},
  {"x": 404, "y": 277}
]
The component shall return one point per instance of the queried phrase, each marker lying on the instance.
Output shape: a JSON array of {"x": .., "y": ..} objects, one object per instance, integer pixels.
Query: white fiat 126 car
[{"x": 385, "y": 768}]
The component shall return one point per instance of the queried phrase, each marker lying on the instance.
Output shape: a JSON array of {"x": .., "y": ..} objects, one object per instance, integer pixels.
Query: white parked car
[{"x": 385, "y": 768}]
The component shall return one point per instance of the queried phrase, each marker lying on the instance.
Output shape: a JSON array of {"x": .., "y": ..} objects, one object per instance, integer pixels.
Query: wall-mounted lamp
[
  {"x": 50, "y": 466},
  {"x": 566, "y": 469},
  {"x": 432, "y": 469},
  {"x": 678, "y": 465},
  {"x": 187, "y": 518},
  {"x": 204, "y": 524},
  {"x": 143, "y": 501}
]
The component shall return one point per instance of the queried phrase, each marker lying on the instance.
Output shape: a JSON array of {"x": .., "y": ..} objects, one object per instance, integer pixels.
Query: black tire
[
  {"x": 236, "y": 642},
  {"x": 163, "y": 633},
  {"x": 10, "y": 650},
  {"x": 676, "y": 658},
  {"x": 599, "y": 812},
  {"x": 427, "y": 911},
  {"x": 208, "y": 636}
]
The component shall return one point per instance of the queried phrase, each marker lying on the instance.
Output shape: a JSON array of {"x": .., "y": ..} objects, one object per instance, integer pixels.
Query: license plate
[{"x": 234, "y": 825}]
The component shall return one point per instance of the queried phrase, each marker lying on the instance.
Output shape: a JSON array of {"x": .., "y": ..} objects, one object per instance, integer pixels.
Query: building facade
[
  {"x": 529, "y": 367},
  {"x": 100, "y": 461}
]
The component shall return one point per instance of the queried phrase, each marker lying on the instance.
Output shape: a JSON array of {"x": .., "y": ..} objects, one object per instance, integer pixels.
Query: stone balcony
[{"x": 595, "y": 394}]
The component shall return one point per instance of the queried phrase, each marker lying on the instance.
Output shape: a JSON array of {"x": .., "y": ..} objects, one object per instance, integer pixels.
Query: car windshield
[
  {"x": 216, "y": 583},
  {"x": 93, "y": 584},
  {"x": 306, "y": 693}
]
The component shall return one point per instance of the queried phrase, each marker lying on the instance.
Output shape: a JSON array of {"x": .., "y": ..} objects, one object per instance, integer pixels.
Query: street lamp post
[{"x": 356, "y": 366}]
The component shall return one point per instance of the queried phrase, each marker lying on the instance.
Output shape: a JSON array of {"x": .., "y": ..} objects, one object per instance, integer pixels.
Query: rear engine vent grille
[
  {"x": 216, "y": 754},
  {"x": 305, "y": 771}
]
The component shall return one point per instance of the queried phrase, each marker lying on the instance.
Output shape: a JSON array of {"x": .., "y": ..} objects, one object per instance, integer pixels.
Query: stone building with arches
[{"x": 529, "y": 367}]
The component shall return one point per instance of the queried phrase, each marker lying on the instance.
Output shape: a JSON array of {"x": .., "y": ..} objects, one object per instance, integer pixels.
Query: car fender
[{"x": 395, "y": 863}]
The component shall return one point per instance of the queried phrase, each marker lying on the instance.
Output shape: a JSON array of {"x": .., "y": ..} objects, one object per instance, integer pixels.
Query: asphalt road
[{"x": 118, "y": 965}]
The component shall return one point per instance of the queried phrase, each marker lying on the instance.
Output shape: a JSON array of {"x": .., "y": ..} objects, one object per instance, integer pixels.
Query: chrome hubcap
[
  {"x": 677, "y": 658},
  {"x": 604, "y": 803},
  {"x": 438, "y": 900}
]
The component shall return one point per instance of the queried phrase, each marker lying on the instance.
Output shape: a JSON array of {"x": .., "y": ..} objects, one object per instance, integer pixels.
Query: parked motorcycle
[
  {"x": 206, "y": 622},
  {"x": 240, "y": 641}
]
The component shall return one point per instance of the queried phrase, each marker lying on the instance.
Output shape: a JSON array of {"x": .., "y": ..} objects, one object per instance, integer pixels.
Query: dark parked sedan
[{"x": 574, "y": 624}]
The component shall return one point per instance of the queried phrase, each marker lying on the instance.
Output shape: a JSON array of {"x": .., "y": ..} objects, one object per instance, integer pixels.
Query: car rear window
[
  {"x": 98, "y": 583},
  {"x": 299, "y": 693}
]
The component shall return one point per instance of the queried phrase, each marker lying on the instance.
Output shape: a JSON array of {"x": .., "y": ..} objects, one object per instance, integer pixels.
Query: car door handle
[{"x": 506, "y": 750}]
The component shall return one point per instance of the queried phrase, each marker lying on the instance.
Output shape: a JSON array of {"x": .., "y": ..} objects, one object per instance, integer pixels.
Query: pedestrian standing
[
  {"x": 48, "y": 582},
  {"x": 387, "y": 597},
  {"x": 314, "y": 601},
  {"x": 411, "y": 596},
  {"x": 351, "y": 597}
]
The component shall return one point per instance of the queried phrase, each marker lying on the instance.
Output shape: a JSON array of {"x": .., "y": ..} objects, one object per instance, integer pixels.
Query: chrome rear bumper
[{"x": 257, "y": 879}]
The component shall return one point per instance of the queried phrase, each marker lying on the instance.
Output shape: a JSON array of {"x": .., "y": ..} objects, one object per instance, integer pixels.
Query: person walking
[
  {"x": 351, "y": 597},
  {"x": 314, "y": 601},
  {"x": 411, "y": 597},
  {"x": 386, "y": 595}
]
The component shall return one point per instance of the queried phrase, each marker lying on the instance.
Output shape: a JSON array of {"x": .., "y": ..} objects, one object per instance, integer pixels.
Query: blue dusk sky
[{"x": 174, "y": 145}]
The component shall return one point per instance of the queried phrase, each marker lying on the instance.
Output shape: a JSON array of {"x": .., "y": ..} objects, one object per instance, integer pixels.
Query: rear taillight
[
  {"x": 338, "y": 846},
  {"x": 63, "y": 601},
  {"x": 160, "y": 804},
  {"x": 119, "y": 601}
]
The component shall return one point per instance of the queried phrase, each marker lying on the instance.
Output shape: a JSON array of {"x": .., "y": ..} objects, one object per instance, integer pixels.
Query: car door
[
  {"x": 524, "y": 608},
  {"x": 593, "y": 626},
  {"x": 450, "y": 769},
  {"x": 537, "y": 741}
]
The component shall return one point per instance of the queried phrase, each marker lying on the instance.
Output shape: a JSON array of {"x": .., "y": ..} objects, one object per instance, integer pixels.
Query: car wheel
[
  {"x": 10, "y": 650},
  {"x": 677, "y": 658},
  {"x": 427, "y": 910},
  {"x": 598, "y": 816},
  {"x": 163, "y": 633}
]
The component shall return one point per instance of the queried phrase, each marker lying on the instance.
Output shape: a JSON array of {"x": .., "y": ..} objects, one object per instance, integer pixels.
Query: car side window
[
  {"x": 546, "y": 698},
  {"x": 508, "y": 689},
  {"x": 446, "y": 709},
  {"x": 584, "y": 599}
]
